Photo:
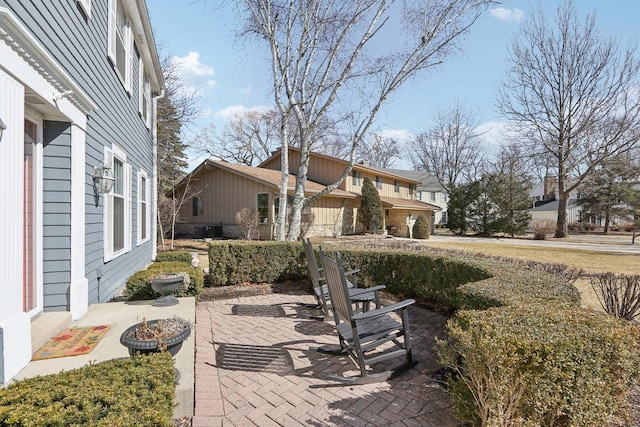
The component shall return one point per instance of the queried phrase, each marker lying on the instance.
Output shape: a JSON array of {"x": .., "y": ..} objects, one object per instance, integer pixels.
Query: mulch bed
[{"x": 214, "y": 293}]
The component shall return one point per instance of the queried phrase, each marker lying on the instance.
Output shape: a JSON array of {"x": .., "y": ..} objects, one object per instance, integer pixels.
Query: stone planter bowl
[
  {"x": 165, "y": 286},
  {"x": 174, "y": 343}
]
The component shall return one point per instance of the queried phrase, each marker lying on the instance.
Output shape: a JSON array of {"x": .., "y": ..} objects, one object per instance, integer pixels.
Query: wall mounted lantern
[
  {"x": 2, "y": 128},
  {"x": 102, "y": 180}
]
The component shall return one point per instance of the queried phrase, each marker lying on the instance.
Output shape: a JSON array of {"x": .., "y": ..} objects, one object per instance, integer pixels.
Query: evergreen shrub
[
  {"x": 138, "y": 286},
  {"x": 539, "y": 365},
  {"x": 421, "y": 228},
  {"x": 136, "y": 391},
  {"x": 182, "y": 256}
]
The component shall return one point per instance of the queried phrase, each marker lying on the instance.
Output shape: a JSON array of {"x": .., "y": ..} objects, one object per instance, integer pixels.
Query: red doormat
[{"x": 72, "y": 342}]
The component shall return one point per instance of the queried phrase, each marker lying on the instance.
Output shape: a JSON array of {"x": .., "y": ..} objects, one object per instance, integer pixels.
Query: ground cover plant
[{"x": 136, "y": 391}]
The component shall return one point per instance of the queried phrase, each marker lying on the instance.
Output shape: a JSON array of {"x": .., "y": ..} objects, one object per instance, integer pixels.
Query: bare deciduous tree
[
  {"x": 246, "y": 139},
  {"x": 571, "y": 94},
  {"x": 324, "y": 64},
  {"x": 451, "y": 149},
  {"x": 379, "y": 151}
]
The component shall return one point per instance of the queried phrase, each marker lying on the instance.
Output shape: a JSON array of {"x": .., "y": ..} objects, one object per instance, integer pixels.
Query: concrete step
[{"x": 46, "y": 326}]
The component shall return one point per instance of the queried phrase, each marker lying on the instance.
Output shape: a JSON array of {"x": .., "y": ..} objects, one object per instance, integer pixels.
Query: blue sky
[{"x": 232, "y": 75}]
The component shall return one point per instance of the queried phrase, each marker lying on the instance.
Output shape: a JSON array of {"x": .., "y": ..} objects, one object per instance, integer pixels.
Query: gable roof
[
  {"x": 426, "y": 180},
  {"x": 396, "y": 203},
  {"x": 356, "y": 166},
  {"x": 268, "y": 177}
]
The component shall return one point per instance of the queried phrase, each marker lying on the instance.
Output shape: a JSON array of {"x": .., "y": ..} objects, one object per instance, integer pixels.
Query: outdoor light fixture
[
  {"x": 102, "y": 180},
  {"x": 2, "y": 128}
]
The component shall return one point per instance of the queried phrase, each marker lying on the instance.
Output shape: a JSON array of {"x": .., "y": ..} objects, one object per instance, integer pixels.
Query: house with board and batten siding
[
  {"x": 217, "y": 190},
  {"x": 78, "y": 84}
]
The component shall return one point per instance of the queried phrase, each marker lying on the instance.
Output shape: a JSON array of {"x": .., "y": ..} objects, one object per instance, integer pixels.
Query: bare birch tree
[
  {"x": 572, "y": 95},
  {"x": 451, "y": 149},
  {"x": 324, "y": 63}
]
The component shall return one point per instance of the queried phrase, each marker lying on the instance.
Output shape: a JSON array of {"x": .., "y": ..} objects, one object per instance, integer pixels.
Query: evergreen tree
[
  {"x": 371, "y": 213},
  {"x": 483, "y": 213},
  {"x": 460, "y": 198},
  {"x": 609, "y": 189}
]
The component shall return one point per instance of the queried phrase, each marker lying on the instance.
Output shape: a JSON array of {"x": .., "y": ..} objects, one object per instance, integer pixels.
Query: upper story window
[
  {"x": 419, "y": 195},
  {"x": 411, "y": 189},
  {"x": 444, "y": 196},
  {"x": 355, "y": 178},
  {"x": 379, "y": 183},
  {"x": 120, "y": 45},
  {"x": 144, "y": 94},
  {"x": 262, "y": 203},
  {"x": 396, "y": 186},
  {"x": 433, "y": 196}
]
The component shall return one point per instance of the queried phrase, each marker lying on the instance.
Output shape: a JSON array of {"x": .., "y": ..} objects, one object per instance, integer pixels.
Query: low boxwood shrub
[
  {"x": 540, "y": 365},
  {"x": 135, "y": 391},
  {"x": 138, "y": 286},
  {"x": 182, "y": 256},
  {"x": 236, "y": 262}
]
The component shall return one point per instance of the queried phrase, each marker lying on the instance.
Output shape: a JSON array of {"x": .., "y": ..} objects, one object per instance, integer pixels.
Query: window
[
  {"x": 120, "y": 51},
  {"x": 378, "y": 183},
  {"x": 196, "y": 206},
  {"x": 433, "y": 196},
  {"x": 263, "y": 206},
  {"x": 144, "y": 94},
  {"x": 411, "y": 189},
  {"x": 143, "y": 207},
  {"x": 396, "y": 186},
  {"x": 419, "y": 195},
  {"x": 444, "y": 196},
  {"x": 117, "y": 205},
  {"x": 355, "y": 178},
  {"x": 276, "y": 205},
  {"x": 445, "y": 218}
]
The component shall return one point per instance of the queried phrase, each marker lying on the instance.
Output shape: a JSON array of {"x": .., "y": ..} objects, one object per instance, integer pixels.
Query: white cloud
[
  {"x": 402, "y": 136},
  {"x": 194, "y": 73},
  {"x": 494, "y": 134},
  {"x": 191, "y": 65},
  {"x": 246, "y": 90},
  {"x": 507, "y": 15},
  {"x": 234, "y": 111}
]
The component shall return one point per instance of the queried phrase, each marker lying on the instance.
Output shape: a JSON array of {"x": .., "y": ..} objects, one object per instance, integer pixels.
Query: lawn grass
[{"x": 589, "y": 261}]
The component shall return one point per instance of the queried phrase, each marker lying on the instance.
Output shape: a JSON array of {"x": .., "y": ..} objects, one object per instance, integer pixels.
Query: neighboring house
[
  {"x": 77, "y": 87},
  {"x": 218, "y": 190},
  {"x": 429, "y": 190},
  {"x": 545, "y": 202}
]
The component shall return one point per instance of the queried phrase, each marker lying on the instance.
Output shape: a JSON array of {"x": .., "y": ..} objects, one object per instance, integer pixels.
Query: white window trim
[
  {"x": 128, "y": 45},
  {"x": 144, "y": 94},
  {"x": 142, "y": 174},
  {"x": 109, "y": 253}
]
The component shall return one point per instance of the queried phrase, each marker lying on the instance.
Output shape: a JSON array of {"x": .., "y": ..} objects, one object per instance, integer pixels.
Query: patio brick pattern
[{"x": 255, "y": 366}]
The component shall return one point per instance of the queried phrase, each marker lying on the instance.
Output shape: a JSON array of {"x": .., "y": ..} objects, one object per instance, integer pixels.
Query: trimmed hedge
[
  {"x": 236, "y": 262},
  {"x": 182, "y": 256},
  {"x": 138, "y": 286},
  {"x": 135, "y": 391},
  {"x": 540, "y": 365}
]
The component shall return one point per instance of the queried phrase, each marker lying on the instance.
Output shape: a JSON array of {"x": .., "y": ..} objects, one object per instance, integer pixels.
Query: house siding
[
  {"x": 79, "y": 45},
  {"x": 56, "y": 212}
]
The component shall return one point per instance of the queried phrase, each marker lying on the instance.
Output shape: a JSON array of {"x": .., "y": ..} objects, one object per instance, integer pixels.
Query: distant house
[
  {"x": 220, "y": 189},
  {"x": 429, "y": 191},
  {"x": 77, "y": 87}
]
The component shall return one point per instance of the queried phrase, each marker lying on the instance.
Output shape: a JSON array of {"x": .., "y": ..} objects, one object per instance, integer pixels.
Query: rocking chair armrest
[
  {"x": 357, "y": 291},
  {"x": 383, "y": 310},
  {"x": 352, "y": 272}
]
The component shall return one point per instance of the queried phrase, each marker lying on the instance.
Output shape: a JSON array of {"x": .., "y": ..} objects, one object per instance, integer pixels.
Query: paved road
[{"x": 587, "y": 243}]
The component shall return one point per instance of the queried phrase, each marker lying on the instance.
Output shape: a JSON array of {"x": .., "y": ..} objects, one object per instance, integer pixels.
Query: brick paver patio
[{"x": 255, "y": 366}]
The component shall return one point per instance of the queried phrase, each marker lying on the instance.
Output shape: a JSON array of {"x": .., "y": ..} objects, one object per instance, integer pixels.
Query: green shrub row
[
  {"x": 138, "y": 286},
  {"x": 182, "y": 256},
  {"x": 123, "y": 392},
  {"x": 540, "y": 365},
  {"x": 236, "y": 262}
]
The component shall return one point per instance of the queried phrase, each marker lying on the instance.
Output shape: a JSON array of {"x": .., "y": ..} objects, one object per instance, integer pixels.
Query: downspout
[{"x": 154, "y": 230}]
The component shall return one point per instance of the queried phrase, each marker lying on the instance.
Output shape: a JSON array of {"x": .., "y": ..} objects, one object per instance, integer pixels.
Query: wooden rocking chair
[
  {"x": 359, "y": 296},
  {"x": 363, "y": 332}
]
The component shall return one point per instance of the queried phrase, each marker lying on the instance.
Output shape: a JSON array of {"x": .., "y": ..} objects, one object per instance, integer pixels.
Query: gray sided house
[{"x": 78, "y": 82}]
